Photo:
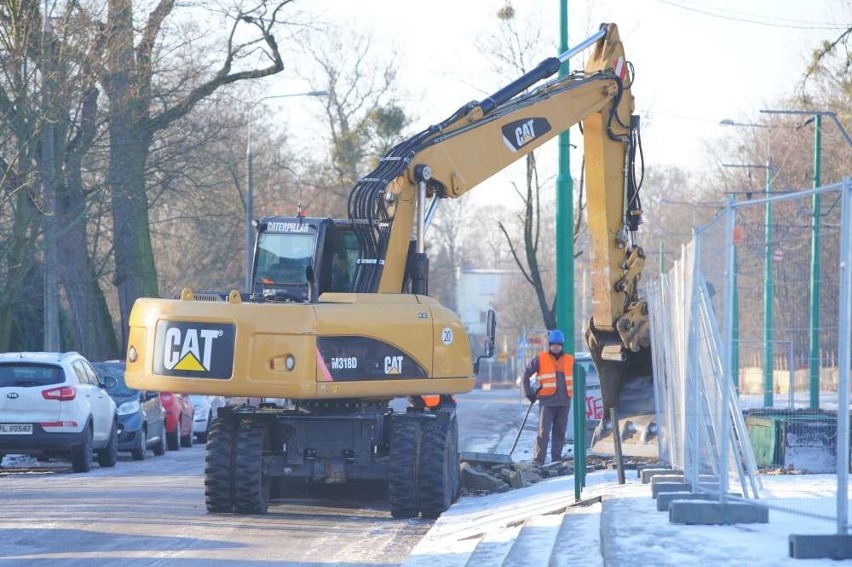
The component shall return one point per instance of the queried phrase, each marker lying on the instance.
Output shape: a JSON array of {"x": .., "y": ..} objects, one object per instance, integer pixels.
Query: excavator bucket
[{"x": 627, "y": 385}]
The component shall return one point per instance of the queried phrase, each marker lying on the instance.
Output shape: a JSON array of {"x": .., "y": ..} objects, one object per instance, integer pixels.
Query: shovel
[{"x": 521, "y": 428}]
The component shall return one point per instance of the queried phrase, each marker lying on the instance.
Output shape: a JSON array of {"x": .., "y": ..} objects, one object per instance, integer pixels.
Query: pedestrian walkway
[{"x": 619, "y": 525}]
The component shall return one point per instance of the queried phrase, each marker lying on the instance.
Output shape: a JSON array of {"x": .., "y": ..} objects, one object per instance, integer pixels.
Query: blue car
[{"x": 141, "y": 416}]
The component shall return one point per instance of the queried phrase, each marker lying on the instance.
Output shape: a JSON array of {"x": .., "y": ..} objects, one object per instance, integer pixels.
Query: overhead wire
[{"x": 793, "y": 24}]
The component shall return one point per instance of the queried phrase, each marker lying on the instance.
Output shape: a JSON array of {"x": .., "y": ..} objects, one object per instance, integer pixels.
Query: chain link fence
[{"x": 751, "y": 339}]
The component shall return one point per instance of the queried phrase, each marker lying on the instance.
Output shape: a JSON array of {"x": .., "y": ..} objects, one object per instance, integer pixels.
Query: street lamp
[
  {"x": 250, "y": 178},
  {"x": 767, "y": 276},
  {"x": 813, "y": 326}
]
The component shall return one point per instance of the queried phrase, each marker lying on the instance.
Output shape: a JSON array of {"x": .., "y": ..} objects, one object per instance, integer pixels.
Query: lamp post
[
  {"x": 813, "y": 325},
  {"x": 250, "y": 178},
  {"x": 565, "y": 214},
  {"x": 767, "y": 272}
]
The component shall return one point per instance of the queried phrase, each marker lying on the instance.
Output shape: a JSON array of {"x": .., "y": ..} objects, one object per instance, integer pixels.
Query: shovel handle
[{"x": 521, "y": 429}]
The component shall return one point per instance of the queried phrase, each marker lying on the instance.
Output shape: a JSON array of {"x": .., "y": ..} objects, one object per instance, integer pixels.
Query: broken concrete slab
[
  {"x": 486, "y": 459},
  {"x": 475, "y": 480}
]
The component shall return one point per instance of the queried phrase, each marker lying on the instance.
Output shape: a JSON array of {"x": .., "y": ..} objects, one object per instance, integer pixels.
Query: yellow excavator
[{"x": 338, "y": 321}]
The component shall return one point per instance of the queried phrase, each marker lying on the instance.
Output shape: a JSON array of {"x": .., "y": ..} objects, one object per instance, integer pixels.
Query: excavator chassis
[{"x": 255, "y": 454}]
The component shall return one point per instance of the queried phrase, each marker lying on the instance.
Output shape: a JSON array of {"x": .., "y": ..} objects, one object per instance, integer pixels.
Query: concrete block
[
  {"x": 708, "y": 513},
  {"x": 647, "y": 474},
  {"x": 666, "y": 478},
  {"x": 820, "y": 546},
  {"x": 666, "y": 498},
  {"x": 662, "y": 487}
]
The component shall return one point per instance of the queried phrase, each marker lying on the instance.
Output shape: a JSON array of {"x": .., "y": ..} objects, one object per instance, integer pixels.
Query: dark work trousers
[{"x": 551, "y": 419}]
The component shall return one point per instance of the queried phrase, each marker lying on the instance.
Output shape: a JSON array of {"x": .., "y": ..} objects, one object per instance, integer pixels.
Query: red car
[{"x": 179, "y": 416}]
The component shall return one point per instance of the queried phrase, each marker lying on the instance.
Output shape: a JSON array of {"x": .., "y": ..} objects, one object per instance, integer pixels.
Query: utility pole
[
  {"x": 48, "y": 180},
  {"x": 767, "y": 279},
  {"x": 767, "y": 294},
  {"x": 565, "y": 213},
  {"x": 813, "y": 327},
  {"x": 816, "y": 211}
]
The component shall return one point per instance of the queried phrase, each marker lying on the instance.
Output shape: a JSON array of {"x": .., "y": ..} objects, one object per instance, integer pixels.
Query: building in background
[{"x": 477, "y": 292}]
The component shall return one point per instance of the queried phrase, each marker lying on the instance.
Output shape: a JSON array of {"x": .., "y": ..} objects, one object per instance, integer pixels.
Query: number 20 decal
[{"x": 447, "y": 336}]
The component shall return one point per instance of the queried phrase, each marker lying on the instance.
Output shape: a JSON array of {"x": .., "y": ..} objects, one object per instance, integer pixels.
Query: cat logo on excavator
[{"x": 194, "y": 349}]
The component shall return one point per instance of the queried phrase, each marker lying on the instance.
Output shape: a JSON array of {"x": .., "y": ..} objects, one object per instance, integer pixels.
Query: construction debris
[{"x": 481, "y": 474}]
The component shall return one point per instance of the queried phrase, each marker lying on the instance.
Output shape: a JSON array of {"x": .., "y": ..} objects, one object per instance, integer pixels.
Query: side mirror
[{"x": 490, "y": 333}]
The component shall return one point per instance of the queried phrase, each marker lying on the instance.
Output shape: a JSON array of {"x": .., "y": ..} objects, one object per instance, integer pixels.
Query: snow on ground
[{"x": 634, "y": 533}]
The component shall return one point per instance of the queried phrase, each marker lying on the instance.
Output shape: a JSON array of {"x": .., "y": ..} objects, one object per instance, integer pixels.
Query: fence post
[
  {"x": 728, "y": 351},
  {"x": 843, "y": 338}
]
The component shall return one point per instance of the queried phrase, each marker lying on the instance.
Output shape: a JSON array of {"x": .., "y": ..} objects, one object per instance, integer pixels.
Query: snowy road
[{"x": 153, "y": 513}]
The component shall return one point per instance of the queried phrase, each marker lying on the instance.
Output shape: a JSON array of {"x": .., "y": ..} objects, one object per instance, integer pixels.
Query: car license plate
[{"x": 16, "y": 428}]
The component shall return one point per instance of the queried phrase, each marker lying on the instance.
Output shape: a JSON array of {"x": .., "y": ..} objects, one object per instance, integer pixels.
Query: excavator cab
[{"x": 297, "y": 258}]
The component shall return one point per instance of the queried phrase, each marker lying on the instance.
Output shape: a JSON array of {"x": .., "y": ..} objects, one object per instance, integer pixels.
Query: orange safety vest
[{"x": 548, "y": 366}]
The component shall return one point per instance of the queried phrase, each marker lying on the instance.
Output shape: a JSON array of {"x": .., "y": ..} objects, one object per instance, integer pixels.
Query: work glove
[{"x": 531, "y": 398}]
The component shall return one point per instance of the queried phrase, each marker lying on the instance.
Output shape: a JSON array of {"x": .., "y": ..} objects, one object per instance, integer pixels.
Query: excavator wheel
[
  {"x": 251, "y": 486},
  {"x": 456, "y": 461},
  {"x": 439, "y": 466},
  {"x": 404, "y": 469},
  {"x": 219, "y": 465}
]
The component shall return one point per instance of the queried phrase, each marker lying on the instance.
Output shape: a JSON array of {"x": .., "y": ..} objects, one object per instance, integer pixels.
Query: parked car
[
  {"x": 179, "y": 417},
  {"x": 53, "y": 404},
  {"x": 205, "y": 411},
  {"x": 141, "y": 416}
]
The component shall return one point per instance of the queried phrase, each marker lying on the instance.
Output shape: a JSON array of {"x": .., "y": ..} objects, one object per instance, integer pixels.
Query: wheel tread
[{"x": 219, "y": 466}]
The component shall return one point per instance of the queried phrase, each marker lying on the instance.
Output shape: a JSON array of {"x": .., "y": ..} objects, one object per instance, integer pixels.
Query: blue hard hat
[{"x": 555, "y": 337}]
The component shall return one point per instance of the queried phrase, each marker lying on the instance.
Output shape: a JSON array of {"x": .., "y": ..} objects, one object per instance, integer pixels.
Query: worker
[{"x": 553, "y": 390}]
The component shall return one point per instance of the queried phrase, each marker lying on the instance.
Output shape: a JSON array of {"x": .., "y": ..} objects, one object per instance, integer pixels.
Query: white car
[
  {"x": 205, "y": 412},
  {"x": 54, "y": 404}
]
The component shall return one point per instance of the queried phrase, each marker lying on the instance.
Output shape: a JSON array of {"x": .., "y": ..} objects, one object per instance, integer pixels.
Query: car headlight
[{"x": 128, "y": 407}]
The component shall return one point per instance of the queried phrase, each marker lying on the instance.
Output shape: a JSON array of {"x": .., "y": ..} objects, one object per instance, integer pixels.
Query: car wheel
[
  {"x": 81, "y": 457},
  {"x": 159, "y": 447},
  {"x": 141, "y": 451},
  {"x": 108, "y": 456},
  {"x": 173, "y": 438},
  {"x": 187, "y": 441},
  {"x": 202, "y": 437}
]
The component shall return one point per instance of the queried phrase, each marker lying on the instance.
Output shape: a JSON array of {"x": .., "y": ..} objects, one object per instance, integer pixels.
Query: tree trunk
[
  {"x": 135, "y": 272},
  {"x": 89, "y": 313},
  {"x": 130, "y": 141}
]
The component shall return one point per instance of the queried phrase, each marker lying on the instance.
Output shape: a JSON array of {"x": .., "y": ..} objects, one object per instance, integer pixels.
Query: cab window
[
  {"x": 342, "y": 253},
  {"x": 283, "y": 258}
]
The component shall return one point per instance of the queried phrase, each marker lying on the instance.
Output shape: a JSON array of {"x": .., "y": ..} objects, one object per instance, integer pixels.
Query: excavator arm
[{"x": 449, "y": 159}]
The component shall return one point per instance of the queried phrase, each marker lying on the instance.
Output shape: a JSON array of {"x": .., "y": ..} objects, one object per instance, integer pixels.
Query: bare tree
[
  {"x": 362, "y": 112},
  {"x": 517, "y": 43},
  {"x": 137, "y": 111}
]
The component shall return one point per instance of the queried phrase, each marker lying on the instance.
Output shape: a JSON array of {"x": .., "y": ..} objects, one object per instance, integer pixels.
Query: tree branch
[{"x": 224, "y": 76}]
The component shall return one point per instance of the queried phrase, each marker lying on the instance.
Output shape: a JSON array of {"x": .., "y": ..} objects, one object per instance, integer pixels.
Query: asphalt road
[{"x": 153, "y": 512}]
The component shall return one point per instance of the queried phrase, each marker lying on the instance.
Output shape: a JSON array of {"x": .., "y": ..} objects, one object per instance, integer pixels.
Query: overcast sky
[{"x": 696, "y": 61}]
